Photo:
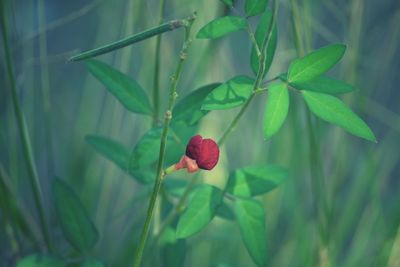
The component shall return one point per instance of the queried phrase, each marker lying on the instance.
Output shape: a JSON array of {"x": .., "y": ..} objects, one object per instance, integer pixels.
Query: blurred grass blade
[
  {"x": 189, "y": 108},
  {"x": 255, "y": 180},
  {"x": 168, "y": 26},
  {"x": 222, "y": 26},
  {"x": 331, "y": 109},
  {"x": 316, "y": 63},
  {"x": 77, "y": 226},
  {"x": 276, "y": 109},
  {"x": 326, "y": 85},
  {"x": 200, "y": 210},
  {"x": 251, "y": 219},
  {"x": 261, "y": 31},
  {"x": 255, "y": 7},
  {"x": 129, "y": 93},
  {"x": 110, "y": 149},
  {"x": 37, "y": 260},
  {"x": 230, "y": 94}
]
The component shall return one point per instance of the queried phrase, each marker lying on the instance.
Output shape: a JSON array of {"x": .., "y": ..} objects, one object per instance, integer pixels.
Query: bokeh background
[{"x": 62, "y": 103}]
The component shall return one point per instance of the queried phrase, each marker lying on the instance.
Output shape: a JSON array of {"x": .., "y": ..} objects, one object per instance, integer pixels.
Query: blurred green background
[{"x": 63, "y": 103}]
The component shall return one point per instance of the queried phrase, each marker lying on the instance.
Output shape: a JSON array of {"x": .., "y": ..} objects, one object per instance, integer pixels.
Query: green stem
[
  {"x": 157, "y": 65},
  {"x": 165, "y": 27},
  {"x": 252, "y": 38},
  {"x": 168, "y": 116},
  {"x": 23, "y": 129}
]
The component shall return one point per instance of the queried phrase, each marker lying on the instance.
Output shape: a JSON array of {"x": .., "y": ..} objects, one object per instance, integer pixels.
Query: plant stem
[
  {"x": 168, "y": 116},
  {"x": 156, "y": 78},
  {"x": 23, "y": 129}
]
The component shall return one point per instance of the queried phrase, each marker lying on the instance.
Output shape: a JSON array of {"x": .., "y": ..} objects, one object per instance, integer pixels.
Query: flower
[{"x": 200, "y": 154}]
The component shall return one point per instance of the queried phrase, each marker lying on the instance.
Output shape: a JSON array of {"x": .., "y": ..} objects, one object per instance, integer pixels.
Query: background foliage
[{"x": 63, "y": 104}]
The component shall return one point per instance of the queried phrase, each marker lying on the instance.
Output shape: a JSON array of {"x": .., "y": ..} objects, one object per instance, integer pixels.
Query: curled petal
[{"x": 209, "y": 155}]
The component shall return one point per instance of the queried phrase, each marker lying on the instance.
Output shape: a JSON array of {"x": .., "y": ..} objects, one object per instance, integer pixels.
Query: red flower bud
[{"x": 204, "y": 151}]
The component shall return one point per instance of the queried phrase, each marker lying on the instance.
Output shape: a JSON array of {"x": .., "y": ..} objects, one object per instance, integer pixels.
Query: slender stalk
[
  {"x": 157, "y": 65},
  {"x": 168, "y": 116},
  {"x": 23, "y": 129},
  {"x": 165, "y": 27}
]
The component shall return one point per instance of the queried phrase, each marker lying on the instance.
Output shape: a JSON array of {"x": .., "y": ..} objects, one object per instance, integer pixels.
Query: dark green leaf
[
  {"x": 92, "y": 263},
  {"x": 125, "y": 89},
  {"x": 221, "y": 26},
  {"x": 225, "y": 212},
  {"x": 255, "y": 7},
  {"x": 316, "y": 63},
  {"x": 251, "y": 219},
  {"x": 276, "y": 109},
  {"x": 76, "y": 224},
  {"x": 110, "y": 149},
  {"x": 255, "y": 180},
  {"x": 173, "y": 251},
  {"x": 326, "y": 85},
  {"x": 200, "y": 210},
  {"x": 36, "y": 260},
  {"x": 231, "y": 94},
  {"x": 331, "y": 109},
  {"x": 261, "y": 31},
  {"x": 228, "y": 2},
  {"x": 189, "y": 108}
]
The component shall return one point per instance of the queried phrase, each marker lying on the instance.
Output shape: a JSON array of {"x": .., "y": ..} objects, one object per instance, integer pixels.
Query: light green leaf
[
  {"x": 37, "y": 260},
  {"x": 331, "y": 109},
  {"x": 110, "y": 149},
  {"x": 255, "y": 180},
  {"x": 251, "y": 219},
  {"x": 255, "y": 7},
  {"x": 316, "y": 63},
  {"x": 125, "y": 89},
  {"x": 189, "y": 108},
  {"x": 92, "y": 263},
  {"x": 221, "y": 26},
  {"x": 76, "y": 224},
  {"x": 231, "y": 94},
  {"x": 200, "y": 210},
  {"x": 261, "y": 31},
  {"x": 326, "y": 85},
  {"x": 276, "y": 109}
]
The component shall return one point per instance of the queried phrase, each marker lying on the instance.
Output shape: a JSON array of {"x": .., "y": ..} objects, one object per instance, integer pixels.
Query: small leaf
[
  {"x": 200, "y": 210},
  {"x": 276, "y": 110},
  {"x": 231, "y": 94},
  {"x": 125, "y": 89},
  {"x": 326, "y": 85},
  {"x": 255, "y": 180},
  {"x": 110, "y": 149},
  {"x": 251, "y": 219},
  {"x": 222, "y": 26},
  {"x": 189, "y": 108},
  {"x": 37, "y": 260},
  {"x": 92, "y": 263},
  {"x": 76, "y": 224},
  {"x": 316, "y": 63},
  {"x": 255, "y": 7},
  {"x": 261, "y": 31},
  {"x": 331, "y": 109},
  {"x": 228, "y": 2}
]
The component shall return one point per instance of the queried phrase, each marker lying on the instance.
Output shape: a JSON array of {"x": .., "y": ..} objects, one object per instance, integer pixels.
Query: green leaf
[
  {"x": 175, "y": 187},
  {"x": 231, "y": 94},
  {"x": 326, "y": 85},
  {"x": 189, "y": 108},
  {"x": 255, "y": 7},
  {"x": 125, "y": 89},
  {"x": 255, "y": 180},
  {"x": 316, "y": 63},
  {"x": 76, "y": 224},
  {"x": 173, "y": 250},
  {"x": 110, "y": 149},
  {"x": 331, "y": 109},
  {"x": 37, "y": 260},
  {"x": 200, "y": 210},
  {"x": 222, "y": 26},
  {"x": 225, "y": 212},
  {"x": 276, "y": 109},
  {"x": 261, "y": 31},
  {"x": 228, "y": 2},
  {"x": 92, "y": 263},
  {"x": 251, "y": 219}
]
